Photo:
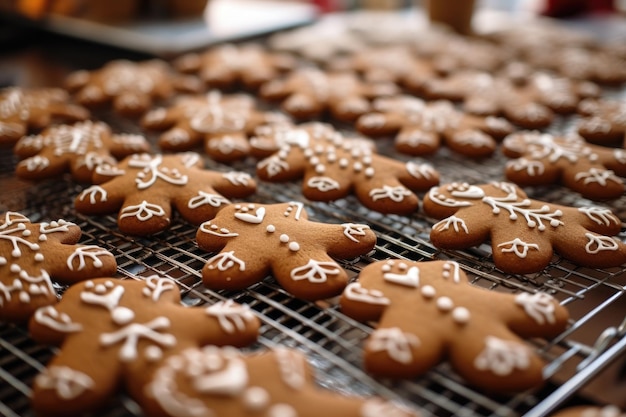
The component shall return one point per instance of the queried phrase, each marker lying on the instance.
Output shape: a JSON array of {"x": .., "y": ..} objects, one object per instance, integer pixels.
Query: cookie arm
[{"x": 73, "y": 263}]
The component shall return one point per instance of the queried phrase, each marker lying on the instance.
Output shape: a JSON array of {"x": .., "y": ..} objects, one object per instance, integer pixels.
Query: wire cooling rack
[{"x": 330, "y": 339}]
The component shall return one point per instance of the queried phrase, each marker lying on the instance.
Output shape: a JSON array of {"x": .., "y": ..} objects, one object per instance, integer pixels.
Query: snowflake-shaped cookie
[
  {"x": 308, "y": 92},
  {"x": 144, "y": 189},
  {"x": 253, "y": 240},
  {"x": 229, "y": 65},
  {"x": 523, "y": 232},
  {"x": 531, "y": 102},
  {"x": 428, "y": 312},
  {"x": 221, "y": 122},
  {"x": 130, "y": 87},
  {"x": 33, "y": 255},
  {"x": 543, "y": 159},
  {"x": 22, "y": 110},
  {"x": 333, "y": 167},
  {"x": 114, "y": 334},
  {"x": 78, "y": 148},
  {"x": 604, "y": 121},
  {"x": 420, "y": 127},
  {"x": 279, "y": 382}
]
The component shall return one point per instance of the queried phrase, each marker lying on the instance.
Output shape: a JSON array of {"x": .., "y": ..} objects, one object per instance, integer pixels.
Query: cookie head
[
  {"x": 428, "y": 312},
  {"x": 254, "y": 240},
  {"x": 114, "y": 333},
  {"x": 524, "y": 233},
  {"x": 34, "y": 255}
]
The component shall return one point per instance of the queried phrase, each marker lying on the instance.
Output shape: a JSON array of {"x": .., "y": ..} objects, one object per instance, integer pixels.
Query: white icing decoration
[
  {"x": 599, "y": 215},
  {"x": 299, "y": 207},
  {"x": 237, "y": 178},
  {"x": 439, "y": 198},
  {"x": 598, "y": 176},
  {"x": 397, "y": 344},
  {"x": 599, "y": 243},
  {"x": 14, "y": 225},
  {"x": 533, "y": 168},
  {"x": 273, "y": 166},
  {"x": 396, "y": 194},
  {"x": 355, "y": 292},
  {"x": 461, "y": 315},
  {"x": 539, "y": 306},
  {"x": 255, "y": 218},
  {"x": 156, "y": 286},
  {"x": 35, "y": 163},
  {"x": 291, "y": 368},
  {"x": 282, "y": 410},
  {"x": 534, "y": 217},
  {"x": 152, "y": 170},
  {"x": 212, "y": 229},
  {"x": 82, "y": 253},
  {"x": 95, "y": 193},
  {"x": 131, "y": 334},
  {"x": 67, "y": 383},
  {"x": 315, "y": 272},
  {"x": 428, "y": 291},
  {"x": 26, "y": 286},
  {"x": 410, "y": 279},
  {"x": 225, "y": 260},
  {"x": 203, "y": 198},
  {"x": 518, "y": 247},
  {"x": 323, "y": 184},
  {"x": 50, "y": 317},
  {"x": 256, "y": 399},
  {"x": 502, "y": 357},
  {"x": 107, "y": 296},
  {"x": 377, "y": 407},
  {"x": 229, "y": 381},
  {"x": 445, "y": 304},
  {"x": 232, "y": 317},
  {"x": 351, "y": 229},
  {"x": 456, "y": 222},
  {"x": 455, "y": 268},
  {"x": 143, "y": 211}
]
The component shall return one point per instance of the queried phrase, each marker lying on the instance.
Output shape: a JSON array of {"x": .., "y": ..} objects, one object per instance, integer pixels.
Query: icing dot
[
  {"x": 43, "y": 238},
  {"x": 282, "y": 410},
  {"x": 26, "y": 233},
  {"x": 270, "y": 228},
  {"x": 357, "y": 167},
  {"x": 224, "y": 230},
  {"x": 3, "y": 260},
  {"x": 428, "y": 291},
  {"x": 16, "y": 253},
  {"x": 24, "y": 297},
  {"x": 460, "y": 315},
  {"x": 320, "y": 169},
  {"x": 386, "y": 268},
  {"x": 89, "y": 284},
  {"x": 15, "y": 268},
  {"x": 256, "y": 398},
  {"x": 214, "y": 226},
  {"x": 122, "y": 315},
  {"x": 369, "y": 172},
  {"x": 284, "y": 238},
  {"x": 100, "y": 289},
  {"x": 445, "y": 303},
  {"x": 294, "y": 247},
  {"x": 109, "y": 284},
  {"x": 153, "y": 353},
  {"x": 39, "y": 257},
  {"x": 402, "y": 266}
]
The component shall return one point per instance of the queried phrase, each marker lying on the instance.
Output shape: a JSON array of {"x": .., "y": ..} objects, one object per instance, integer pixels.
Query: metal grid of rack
[{"x": 319, "y": 329}]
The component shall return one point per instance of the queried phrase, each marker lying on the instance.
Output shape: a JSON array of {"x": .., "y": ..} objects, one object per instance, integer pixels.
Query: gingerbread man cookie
[
  {"x": 78, "y": 148},
  {"x": 221, "y": 122},
  {"x": 333, "y": 166},
  {"x": 33, "y": 255},
  {"x": 604, "y": 122},
  {"x": 22, "y": 110},
  {"x": 308, "y": 92},
  {"x": 543, "y": 159},
  {"x": 428, "y": 312},
  {"x": 253, "y": 240},
  {"x": 228, "y": 65},
  {"x": 531, "y": 102},
  {"x": 523, "y": 232},
  {"x": 590, "y": 411},
  {"x": 145, "y": 188},
  {"x": 116, "y": 333},
  {"x": 421, "y": 127},
  {"x": 216, "y": 381},
  {"x": 130, "y": 87}
]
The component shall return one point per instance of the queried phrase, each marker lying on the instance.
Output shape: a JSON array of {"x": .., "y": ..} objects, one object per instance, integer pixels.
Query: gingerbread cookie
[
  {"x": 420, "y": 127},
  {"x": 114, "y": 334},
  {"x": 78, "y": 148},
  {"x": 33, "y": 255},
  {"x": 216, "y": 381},
  {"x": 144, "y": 189},
  {"x": 590, "y": 411},
  {"x": 22, "y": 110},
  {"x": 221, "y": 122},
  {"x": 309, "y": 92},
  {"x": 333, "y": 166},
  {"x": 531, "y": 102},
  {"x": 130, "y": 87},
  {"x": 541, "y": 159},
  {"x": 523, "y": 232},
  {"x": 604, "y": 122},
  {"x": 226, "y": 66},
  {"x": 428, "y": 312},
  {"x": 253, "y": 240}
]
